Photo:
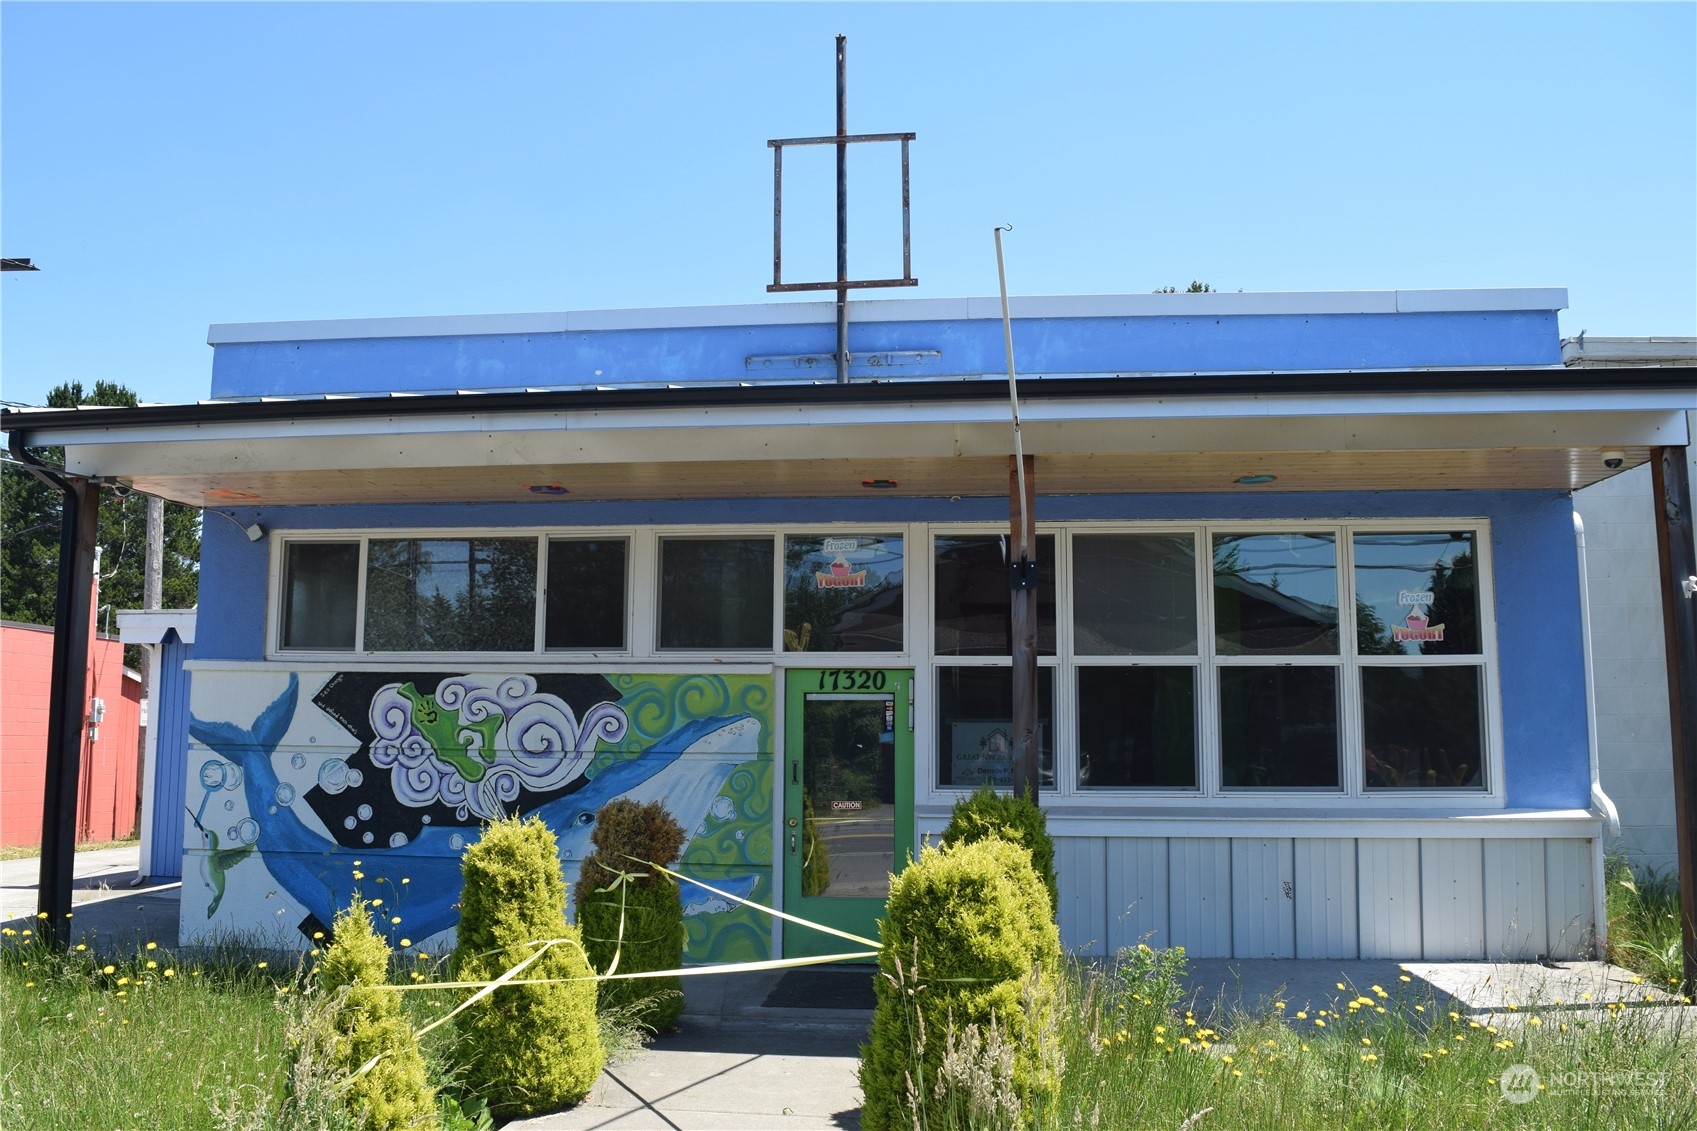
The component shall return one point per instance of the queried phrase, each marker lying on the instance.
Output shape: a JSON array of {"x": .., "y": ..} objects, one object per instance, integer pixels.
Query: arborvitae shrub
[
  {"x": 815, "y": 853},
  {"x": 532, "y": 1048},
  {"x": 627, "y": 832},
  {"x": 969, "y": 940},
  {"x": 365, "y": 1021},
  {"x": 986, "y": 813}
]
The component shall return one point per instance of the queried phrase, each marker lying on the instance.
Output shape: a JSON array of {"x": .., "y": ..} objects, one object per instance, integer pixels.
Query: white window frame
[{"x": 1351, "y": 792}]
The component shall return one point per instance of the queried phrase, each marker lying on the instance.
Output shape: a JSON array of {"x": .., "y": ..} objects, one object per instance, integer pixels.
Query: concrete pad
[
  {"x": 1497, "y": 985},
  {"x": 1219, "y": 985},
  {"x": 667, "y": 1087}
]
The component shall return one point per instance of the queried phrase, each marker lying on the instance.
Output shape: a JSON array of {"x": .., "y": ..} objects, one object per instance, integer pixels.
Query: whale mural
[{"x": 375, "y": 782}]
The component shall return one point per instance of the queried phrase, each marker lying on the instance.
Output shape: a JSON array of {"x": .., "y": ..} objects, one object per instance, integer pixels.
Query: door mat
[{"x": 824, "y": 987}]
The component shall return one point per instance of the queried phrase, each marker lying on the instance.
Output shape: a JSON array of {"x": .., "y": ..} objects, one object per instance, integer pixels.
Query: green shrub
[
  {"x": 986, "y": 813},
  {"x": 617, "y": 894},
  {"x": 968, "y": 967},
  {"x": 354, "y": 1021},
  {"x": 529, "y": 1048}
]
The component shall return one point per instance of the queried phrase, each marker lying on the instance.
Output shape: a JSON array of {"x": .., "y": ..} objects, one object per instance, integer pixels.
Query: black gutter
[
  {"x": 72, "y": 621},
  {"x": 1551, "y": 379}
]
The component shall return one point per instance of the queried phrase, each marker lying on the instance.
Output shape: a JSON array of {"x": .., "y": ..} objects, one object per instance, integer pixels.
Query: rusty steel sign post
[{"x": 842, "y": 284}]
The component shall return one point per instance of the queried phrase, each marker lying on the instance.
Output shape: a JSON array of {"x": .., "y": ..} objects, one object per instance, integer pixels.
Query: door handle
[
  {"x": 792, "y": 844},
  {"x": 795, "y": 772}
]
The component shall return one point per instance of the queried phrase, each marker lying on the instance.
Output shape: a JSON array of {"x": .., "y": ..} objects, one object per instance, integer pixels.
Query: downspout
[
  {"x": 72, "y": 620},
  {"x": 1601, "y": 804}
]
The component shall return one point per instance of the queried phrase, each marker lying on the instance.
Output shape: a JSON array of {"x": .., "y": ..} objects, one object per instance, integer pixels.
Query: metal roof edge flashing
[{"x": 1503, "y": 300}]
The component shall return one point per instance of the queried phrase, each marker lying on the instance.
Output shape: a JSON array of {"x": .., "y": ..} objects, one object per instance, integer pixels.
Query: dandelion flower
[
  {"x": 1404, "y": 978},
  {"x": 1534, "y": 1020},
  {"x": 1340, "y": 985},
  {"x": 82, "y": 946},
  {"x": 406, "y": 942},
  {"x": 1228, "y": 1059},
  {"x": 318, "y": 934},
  {"x": 1320, "y": 1021},
  {"x": 152, "y": 965},
  {"x": 108, "y": 969},
  {"x": 377, "y": 903},
  {"x": 152, "y": 946},
  {"x": 1236, "y": 1072},
  {"x": 394, "y": 918},
  {"x": 1366, "y": 1040},
  {"x": 261, "y": 965},
  {"x": 1369, "y": 1056},
  {"x": 1302, "y": 1015},
  {"x": 170, "y": 972}
]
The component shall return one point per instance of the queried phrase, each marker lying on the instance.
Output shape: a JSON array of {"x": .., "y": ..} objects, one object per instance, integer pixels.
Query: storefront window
[
  {"x": 1422, "y": 727},
  {"x": 975, "y": 727},
  {"x": 450, "y": 595},
  {"x": 974, "y": 612},
  {"x": 1415, "y": 595},
  {"x": 586, "y": 594},
  {"x": 1279, "y": 728},
  {"x": 1276, "y": 594},
  {"x": 1137, "y": 727},
  {"x": 716, "y": 593},
  {"x": 1134, "y": 594},
  {"x": 843, "y": 593},
  {"x": 320, "y": 595}
]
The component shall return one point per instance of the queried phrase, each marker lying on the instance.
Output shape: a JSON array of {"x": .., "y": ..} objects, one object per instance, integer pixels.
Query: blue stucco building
[{"x": 1312, "y": 648}]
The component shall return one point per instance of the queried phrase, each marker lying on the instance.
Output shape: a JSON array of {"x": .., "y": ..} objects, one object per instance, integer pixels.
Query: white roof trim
[
  {"x": 149, "y": 626},
  {"x": 897, "y": 310}
]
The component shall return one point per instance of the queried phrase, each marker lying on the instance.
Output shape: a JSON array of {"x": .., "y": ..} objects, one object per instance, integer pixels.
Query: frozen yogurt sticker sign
[
  {"x": 840, "y": 574},
  {"x": 1418, "y": 629}
]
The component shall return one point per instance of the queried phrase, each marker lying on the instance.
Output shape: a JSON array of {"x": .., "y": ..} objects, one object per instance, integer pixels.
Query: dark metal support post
[
  {"x": 1022, "y": 569},
  {"x": 73, "y": 620},
  {"x": 1671, "y": 494},
  {"x": 842, "y": 210}
]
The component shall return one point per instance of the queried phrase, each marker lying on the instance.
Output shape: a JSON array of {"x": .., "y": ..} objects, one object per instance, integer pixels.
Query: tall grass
[
  {"x": 136, "y": 1043},
  {"x": 1644, "y": 934}
]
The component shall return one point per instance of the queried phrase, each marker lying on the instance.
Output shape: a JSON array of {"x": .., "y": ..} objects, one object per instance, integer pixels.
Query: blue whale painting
[{"x": 419, "y": 882}]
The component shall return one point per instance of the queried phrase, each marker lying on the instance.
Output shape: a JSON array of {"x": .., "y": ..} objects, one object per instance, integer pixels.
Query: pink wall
[{"x": 106, "y": 801}]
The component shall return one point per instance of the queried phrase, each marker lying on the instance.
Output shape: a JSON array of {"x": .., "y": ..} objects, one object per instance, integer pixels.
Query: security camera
[{"x": 1614, "y": 459}]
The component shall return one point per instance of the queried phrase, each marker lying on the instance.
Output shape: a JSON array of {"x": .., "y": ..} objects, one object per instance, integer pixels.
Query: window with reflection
[
  {"x": 973, "y": 599},
  {"x": 586, "y": 608},
  {"x": 1422, "y": 727},
  {"x": 1137, "y": 727},
  {"x": 975, "y": 727},
  {"x": 320, "y": 595},
  {"x": 843, "y": 593},
  {"x": 716, "y": 593},
  {"x": 1276, "y": 594},
  {"x": 1416, "y": 595},
  {"x": 1134, "y": 594},
  {"x": 1279, "y": 727},
  {"x": 450, "y": 595}
]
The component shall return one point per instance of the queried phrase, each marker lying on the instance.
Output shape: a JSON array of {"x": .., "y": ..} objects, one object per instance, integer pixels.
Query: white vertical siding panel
[
  {"x": 1452, "y": 899},
  {"x": 1082, "y": 914},
  {"x": 1263, "y": 914},
  {"x": 1326, "y": 918},
  {"x": 1515, "y": 917},
  {"x": 1137, "y": 892},
  {"x": 1567, "y": 882},
  {"x": 1199, "y": 887},
  {"x": 1388, "y": 898}
]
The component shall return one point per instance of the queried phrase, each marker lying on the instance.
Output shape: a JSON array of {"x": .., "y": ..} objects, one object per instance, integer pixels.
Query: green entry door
[{"x": 848, "y": 800}]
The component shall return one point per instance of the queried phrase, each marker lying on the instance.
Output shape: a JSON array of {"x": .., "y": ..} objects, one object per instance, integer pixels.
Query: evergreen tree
[{"x": 30, "y": 516}]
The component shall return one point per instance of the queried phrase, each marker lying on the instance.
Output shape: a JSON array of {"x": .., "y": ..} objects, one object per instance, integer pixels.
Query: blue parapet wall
[{"x": 1103, "y": 335}]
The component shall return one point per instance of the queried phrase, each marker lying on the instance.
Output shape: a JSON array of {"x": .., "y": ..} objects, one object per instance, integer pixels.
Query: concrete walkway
[
  {"x": 111, "y": 909},
  {"x": 736, "y": 1063}
]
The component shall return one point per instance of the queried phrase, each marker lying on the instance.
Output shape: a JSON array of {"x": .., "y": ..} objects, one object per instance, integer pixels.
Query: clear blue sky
[{"x": 172, "y": 166}]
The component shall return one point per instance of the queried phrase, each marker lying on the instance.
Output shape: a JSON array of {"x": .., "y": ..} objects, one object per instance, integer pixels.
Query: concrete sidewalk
[
  {"x": 733, "y": 1064},
  {"x": 112, "y": 910}
]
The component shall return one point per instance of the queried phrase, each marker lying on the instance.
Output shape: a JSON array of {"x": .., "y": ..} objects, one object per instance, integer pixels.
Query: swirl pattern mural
[{"x": 374, "y": 782}]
